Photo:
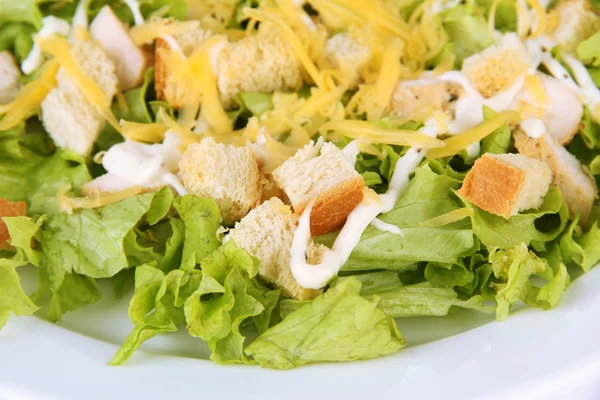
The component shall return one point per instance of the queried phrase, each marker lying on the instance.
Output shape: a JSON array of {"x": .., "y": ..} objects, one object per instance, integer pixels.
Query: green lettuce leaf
[
  {"x": 467, "y": 32},
  {"x": 167, "y": 8},
  {"x": 21, "y": 11},
  {"x": 581, "y": 248},
  {"x": 13, "y": 299},
  {"x": 17, "y": 37},
  {"x": 156, "y": 306},
  {"x": 515, "y": 266},
  {"x": 91, "y": 242},
  {"x": 225, "y": 299},
  {"x": 506, "y": 14},
  {"x": 201, "y": 219},
  {"x": 588, "y": 51},
  {"x": 423, "y": 299},
  {"x": 429, "y": 194},
  {"x": 49, "y": 175},
  {"x": 256, "y": 102},
  {"x": 498, "y": 142},
  {"x": 339, "y": 325},
  {"x": 532, "y": 226},
  {"x": 589, "y": 131}
]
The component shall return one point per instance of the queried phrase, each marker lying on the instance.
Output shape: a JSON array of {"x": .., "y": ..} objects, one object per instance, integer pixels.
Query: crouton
[
  {"x": 346, "y": 55},
  {"x": 321, "y": 173},
  {"x": 578, "y": 188},
  {"x": 561, "y": 112},
  {"x": 267, "y": 233},
  {"x": 257, "y": 63},
  {"x": 225, "y": 173},
  {"x": 167, "y": 88},
  {"x": 9, "y": 209},
  {"x": 498, "y": 66},
  {"x": 70, "y": 119},
  {"x": 420, "y": 99},
  {"x": 505, "y": 184},
  {"x": 112, "y": 35},
  {"x": 9, "y": 77},
  {"x": 577, "y": 21}
]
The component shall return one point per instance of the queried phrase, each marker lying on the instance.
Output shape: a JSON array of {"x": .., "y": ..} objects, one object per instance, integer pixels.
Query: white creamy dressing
[
  {"x": 50, "y": 26},
  {"x": 316, "y": 276},
  {"x": 385, "y": 227},
  {"x": 134, "y": 6},
  {"x": 590, "y": 91},
  {"x": 533, "y": 127},
  {"x": 145, "y": 164}
]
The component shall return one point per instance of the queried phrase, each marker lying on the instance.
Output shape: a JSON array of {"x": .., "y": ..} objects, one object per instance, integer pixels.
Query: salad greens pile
[{"x": 167, "y": 252}]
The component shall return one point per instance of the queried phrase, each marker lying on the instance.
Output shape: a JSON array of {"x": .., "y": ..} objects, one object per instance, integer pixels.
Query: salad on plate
[{"x": 288, "y": 180}]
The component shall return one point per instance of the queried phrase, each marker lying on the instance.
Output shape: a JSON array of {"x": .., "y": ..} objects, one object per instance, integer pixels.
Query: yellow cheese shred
[
  {"x": 68, "y": 204},
  {"x": 492, "y": 15},
  {"x": 197, "y": 71},
  {"x": 58, "y": 47},
  {"x": 292, "y": 39},
  {"x": 151, "y": 30},
  {"x": 186, "y": 136},
  {"x": 542, "y": 20},
  {"x": 379, "y": 134},
  {"x": 29, "y": 98},
  {"x": 388, "y": 77},
  {"x": 448, "y": 218},
  {"x": 455, "y": 144},
  {"x": 149, "y": 133}
]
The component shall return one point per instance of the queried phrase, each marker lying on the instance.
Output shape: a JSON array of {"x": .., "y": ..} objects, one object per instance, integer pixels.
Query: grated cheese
[
  {"x": 379, "y": 134},
  {"x": 454, "y": 144},
  {"x": 147, "y": 32},
  {"x": 29, "y": 98}
]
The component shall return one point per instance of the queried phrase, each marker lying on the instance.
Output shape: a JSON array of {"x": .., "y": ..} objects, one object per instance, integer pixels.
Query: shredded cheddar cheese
[
  {"x": 379, "y": 134},
  {"x": 68, "y": 204},
  {"x": 454, "y": 144},
  {"x": 146, "y": 33},
  {"x": 29, "y": 98},
  {"x": 448, "y": 218}
]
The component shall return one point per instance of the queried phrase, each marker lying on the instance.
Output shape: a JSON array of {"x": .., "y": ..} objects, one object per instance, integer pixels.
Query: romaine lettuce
[{"x": 339, "y": 325}]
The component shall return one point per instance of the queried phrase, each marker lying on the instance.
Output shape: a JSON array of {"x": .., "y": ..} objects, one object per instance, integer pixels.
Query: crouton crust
[
  {"x": 9, "y": 209},
  {"x": 579, "y": 190},
  {"x": 331, "y": 208},
  {"x": 160, "y": 74},
  {"x": 493, "y": 186}
]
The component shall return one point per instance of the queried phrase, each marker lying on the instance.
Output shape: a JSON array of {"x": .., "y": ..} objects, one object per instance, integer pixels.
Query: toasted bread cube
[
  {"x": 257, "y": 63},
  {"x": 420, "y": 99},
  {"x": 577, "y": 21},
  {"x": 267, "y": 233},
  {"x": 321, "y": 173},
  {"x": 505, "y": 184},
  {"x": 578, "y": 187},
  {"x": 9, "y": 77},
  {"x": 225, "y": 173},
  {"x": 9, "y": 209},
  {"x": 498, "y": 66},
  {"x": 112, "y": 35},
  {"x": 71, "y": 120},
  {"x": 345, "y": 54}
]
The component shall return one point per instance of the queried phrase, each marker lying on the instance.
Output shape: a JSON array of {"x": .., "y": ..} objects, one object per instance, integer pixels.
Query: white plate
[{"x": 532, "y": 355}]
